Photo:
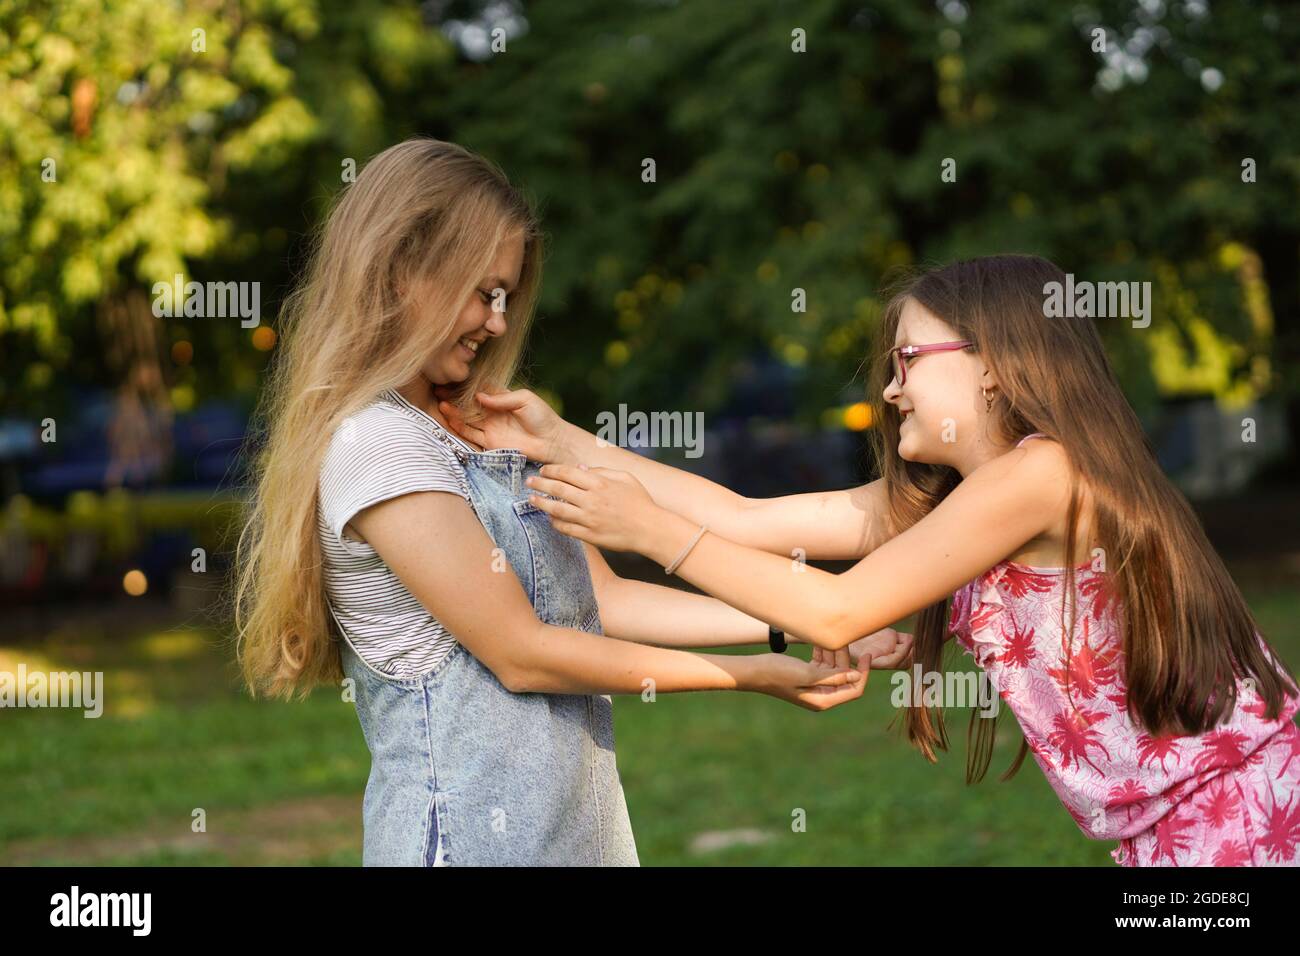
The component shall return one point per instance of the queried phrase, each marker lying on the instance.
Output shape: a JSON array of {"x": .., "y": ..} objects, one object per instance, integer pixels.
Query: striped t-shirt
[{"x": 387, "y": 449}]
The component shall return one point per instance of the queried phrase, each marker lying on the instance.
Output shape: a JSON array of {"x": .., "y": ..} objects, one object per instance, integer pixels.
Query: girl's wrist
[
  {"x": 744, "y": 671},
  {"x": 665, "y": 534},
  {"x": 588, "y": 449},
  {"x": 569, "y": 444}
]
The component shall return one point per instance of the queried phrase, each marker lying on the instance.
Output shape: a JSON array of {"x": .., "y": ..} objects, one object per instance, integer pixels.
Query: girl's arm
[
  {"x": 827, "y": 525},
  {"x": 662, "y": 616},
  {"x": 993, "y": 512},
  {"x": 831, "y": 525},
  {"x": 443, "y": 555}
]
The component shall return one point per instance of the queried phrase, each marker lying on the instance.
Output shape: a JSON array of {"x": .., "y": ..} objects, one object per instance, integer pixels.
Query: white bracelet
[{"x": 686, "y": 550}]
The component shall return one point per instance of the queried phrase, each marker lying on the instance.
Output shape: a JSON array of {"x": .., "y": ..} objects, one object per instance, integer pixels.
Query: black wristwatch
[{"x": 776, "y": 639}]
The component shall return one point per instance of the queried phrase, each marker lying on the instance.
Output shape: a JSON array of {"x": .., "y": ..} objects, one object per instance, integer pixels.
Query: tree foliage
[{"x": 795, "y": 147}]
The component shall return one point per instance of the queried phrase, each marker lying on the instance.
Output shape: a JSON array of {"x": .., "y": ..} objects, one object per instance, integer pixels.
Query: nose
[
  {"x": 893, "y": 391},
  {"x": 496, "y": 323}
]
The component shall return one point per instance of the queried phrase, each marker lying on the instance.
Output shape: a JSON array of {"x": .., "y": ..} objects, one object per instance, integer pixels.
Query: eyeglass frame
[{"x": 907, "y": 351}]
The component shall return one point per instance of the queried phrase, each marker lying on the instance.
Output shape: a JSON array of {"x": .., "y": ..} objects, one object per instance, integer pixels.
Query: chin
[
  {"x": 445, "y": 376},
  {"x": 910, "y": 454}
]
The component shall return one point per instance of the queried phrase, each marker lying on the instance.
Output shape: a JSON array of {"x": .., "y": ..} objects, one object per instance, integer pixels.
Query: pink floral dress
[{"x": 1228, "y": 797}]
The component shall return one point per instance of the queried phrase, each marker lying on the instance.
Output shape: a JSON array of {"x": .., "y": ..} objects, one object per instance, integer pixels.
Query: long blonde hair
[
  {"x": 1187, "y": 631},
  {"x": 420, "y": 226}
]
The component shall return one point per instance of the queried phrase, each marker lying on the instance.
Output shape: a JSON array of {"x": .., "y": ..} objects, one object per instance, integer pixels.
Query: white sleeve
[{"x": 377, "y": 454}]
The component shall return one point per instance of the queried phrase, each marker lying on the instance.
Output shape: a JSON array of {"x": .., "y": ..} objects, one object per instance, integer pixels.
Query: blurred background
[{"x": 797, "y": 146}]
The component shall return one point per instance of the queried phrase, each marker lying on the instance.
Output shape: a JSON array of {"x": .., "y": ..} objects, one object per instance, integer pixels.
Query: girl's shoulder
[
  {"x": 380, "y": 417},
  {"x": 1046, "y": 458},
  {"x": 386, "y": 428},
  {"x": 1047, "y": 461}
]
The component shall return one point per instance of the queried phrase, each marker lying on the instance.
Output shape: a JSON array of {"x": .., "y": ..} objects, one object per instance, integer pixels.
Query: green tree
[
  {"x": 139, "y": 141},
  {"x": 821, "y": 170}
]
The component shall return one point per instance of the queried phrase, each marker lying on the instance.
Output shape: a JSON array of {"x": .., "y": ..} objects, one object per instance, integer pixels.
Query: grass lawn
[{"x": 710, "y": 779}]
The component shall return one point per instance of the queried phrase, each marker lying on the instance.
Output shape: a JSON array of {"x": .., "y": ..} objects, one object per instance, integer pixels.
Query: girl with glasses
[{"x": 1022, "y": 511}]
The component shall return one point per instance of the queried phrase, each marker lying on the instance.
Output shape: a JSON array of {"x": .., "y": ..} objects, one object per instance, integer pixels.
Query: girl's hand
[
  {"x": 518, "y": 419},
  {"x": 887, "y": 649},
  {"x": 812, "y": 686},
  {"x": 601, "y": 506}
]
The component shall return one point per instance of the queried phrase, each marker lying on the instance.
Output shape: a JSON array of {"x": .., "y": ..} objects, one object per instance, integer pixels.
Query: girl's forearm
[
  {"x": 668, "y": 617},
  {"x": 697, "y": 498},
  {"x": 796, "y": 598},
  {"x": 834, "y": 525},
  {"x": 557, "y": 660}
]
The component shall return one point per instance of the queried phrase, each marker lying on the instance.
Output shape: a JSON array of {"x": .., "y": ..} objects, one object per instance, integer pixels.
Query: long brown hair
[
  {"x": 1187, "y": 631},
  {"x": 420, "y": 225}
]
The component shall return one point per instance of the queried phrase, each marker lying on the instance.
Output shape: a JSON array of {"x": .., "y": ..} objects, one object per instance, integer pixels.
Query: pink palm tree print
[
  {"x": 1075, "y": 735},
  {"x": 1282, "y": 830},
  {"x": 1227, "y": 797}
]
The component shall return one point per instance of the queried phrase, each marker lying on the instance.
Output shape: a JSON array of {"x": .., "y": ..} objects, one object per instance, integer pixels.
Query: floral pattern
[{"x": 1228, "y": 797}]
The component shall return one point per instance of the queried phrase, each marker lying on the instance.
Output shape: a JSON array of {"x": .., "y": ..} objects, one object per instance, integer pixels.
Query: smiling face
[
  {"x": 478, "y": 321},
  {"x": 944, "y": 418}
]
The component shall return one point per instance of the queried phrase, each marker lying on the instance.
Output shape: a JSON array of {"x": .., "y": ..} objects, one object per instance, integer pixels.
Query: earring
[{"x": 988, "y": 401}]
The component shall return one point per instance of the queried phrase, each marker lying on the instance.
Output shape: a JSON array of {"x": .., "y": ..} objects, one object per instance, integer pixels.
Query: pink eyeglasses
[{"x": 899, "y": 355}]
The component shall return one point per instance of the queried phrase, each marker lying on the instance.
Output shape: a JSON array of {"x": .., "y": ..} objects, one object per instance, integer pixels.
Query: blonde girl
[{"x": 481, "y": 646}]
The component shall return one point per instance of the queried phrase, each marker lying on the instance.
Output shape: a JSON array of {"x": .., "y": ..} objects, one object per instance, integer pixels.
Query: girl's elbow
[
  {"x": 512, "y": 676},
  {"x": 834, "y": 632},
  {"x": 523, "y": 667},
  {"x": 601, "y": 579},
  {"x": 829, "y": 640},
  {"x": 511, "y": 664},
  {"x": 524, "y": 683}
]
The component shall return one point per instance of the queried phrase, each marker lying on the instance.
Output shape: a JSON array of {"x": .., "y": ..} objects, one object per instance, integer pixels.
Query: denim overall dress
[{"x": 464, "y": 772}]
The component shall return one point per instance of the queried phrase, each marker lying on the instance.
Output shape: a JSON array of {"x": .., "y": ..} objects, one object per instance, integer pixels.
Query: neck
[
  {"x": 985, "y": 451},
  {"x": 419, "y": 393}
]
